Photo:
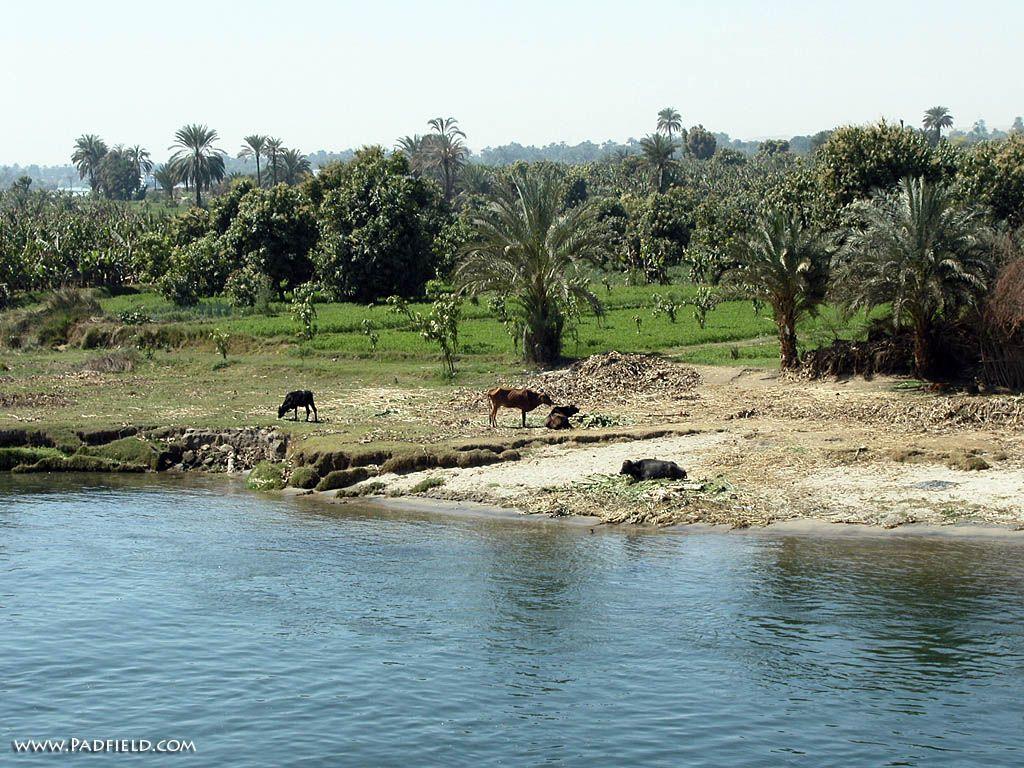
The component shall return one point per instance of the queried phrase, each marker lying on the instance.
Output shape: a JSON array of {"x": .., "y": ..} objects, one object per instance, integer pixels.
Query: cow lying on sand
[
  {"x": 524, "y": 399},
  {"x": 560, "y": 415},
  {"x": 300, "y": 398},
  {"x": 652, "y": 469}
]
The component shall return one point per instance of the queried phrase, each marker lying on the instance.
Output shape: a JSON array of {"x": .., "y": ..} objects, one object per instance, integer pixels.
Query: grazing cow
[
  {"x": 559, "y": 417},
  {"x": 300, "y": 398},
  {"x": 652, "y": 469},
  {"x": 523, "y": 399}
]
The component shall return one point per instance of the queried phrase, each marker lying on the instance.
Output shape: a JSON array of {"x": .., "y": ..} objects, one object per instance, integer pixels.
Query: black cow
[
  {"x": 652, "y": 469},
  {"x": 300, "y": 398},
  {"x": 559, "y": 417}
]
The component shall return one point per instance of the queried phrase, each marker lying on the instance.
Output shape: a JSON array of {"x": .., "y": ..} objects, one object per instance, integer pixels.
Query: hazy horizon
[{"x": 335, "y": 76}]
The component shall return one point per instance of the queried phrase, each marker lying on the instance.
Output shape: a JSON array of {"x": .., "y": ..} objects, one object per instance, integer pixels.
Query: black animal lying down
[
  {"x": 300, "y": 398},
  {"x": 559, "y": 417},
  {"x": 652, "y": 469}
]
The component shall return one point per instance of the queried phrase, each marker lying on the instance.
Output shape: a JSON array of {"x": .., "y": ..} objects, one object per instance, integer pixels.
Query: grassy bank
[{"x": 179, "y": 379}]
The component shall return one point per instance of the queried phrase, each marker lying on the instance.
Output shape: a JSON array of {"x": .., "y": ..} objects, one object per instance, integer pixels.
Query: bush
[
  {"x": 266, "y": 476},
  {"x": 342, "y": 478},
  {"x": 197, "y": 270},
  {"x": 12, "y": 457},
  {"x": 426, "y": 484},
  {"x": 248, "y": 287},
  {"x": 304, "y": 477},
  {"x": 127, "y": 450}
]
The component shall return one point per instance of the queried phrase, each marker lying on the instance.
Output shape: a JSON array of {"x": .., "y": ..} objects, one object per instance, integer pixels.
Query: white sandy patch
[{"x": 555, "y": 466}]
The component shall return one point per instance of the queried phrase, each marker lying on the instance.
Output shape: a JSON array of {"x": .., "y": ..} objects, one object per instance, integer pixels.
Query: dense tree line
[{"x": 892, "y": 215}]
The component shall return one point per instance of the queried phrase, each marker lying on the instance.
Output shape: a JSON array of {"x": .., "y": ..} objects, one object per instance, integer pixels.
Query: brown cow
[{"x": 523, "y": 399}]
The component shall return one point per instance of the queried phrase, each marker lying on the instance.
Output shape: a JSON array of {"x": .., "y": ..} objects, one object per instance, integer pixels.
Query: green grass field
[{"x": 733, "y": 332}]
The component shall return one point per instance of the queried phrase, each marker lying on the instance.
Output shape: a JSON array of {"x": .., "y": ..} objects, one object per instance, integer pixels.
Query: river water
[{"x": 275, "y": 632}]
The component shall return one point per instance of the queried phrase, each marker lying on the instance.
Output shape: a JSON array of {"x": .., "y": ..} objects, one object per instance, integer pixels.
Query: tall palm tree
[
  {"x": 140, "y": 159},
  {"x": 527, "y": 249},
  {"x": 89, "y": 151},
  {"x": 196, "y": 161},
  {"x": 166, "y": 178},
  {"x": 669, "y": 120},
  {"x": 274, "y": 150},
  {"x": 657, "y": 151},
  {"x": 447, "y": 151},
  {"x": 254, "y": 146},
  {"x": 920, "y": 252},
  {"x": 295, "y": 165},
  {"x": 935, "y": 119},
  {"x": 784, "y": 263}
]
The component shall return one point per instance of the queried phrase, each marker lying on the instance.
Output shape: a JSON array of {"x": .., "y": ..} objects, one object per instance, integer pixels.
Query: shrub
[
  {"x": 266, "y": 476},
  {"x": 342, "y": 478},
  {"x": 249, "y": 287},
  {"x": 119, "y": 361},
  {"x": 427, "y": 483},
  {"x": 304, "y": 477},
  {"x": 127, "y": 450},
  {"x": 12, "y": 457}
]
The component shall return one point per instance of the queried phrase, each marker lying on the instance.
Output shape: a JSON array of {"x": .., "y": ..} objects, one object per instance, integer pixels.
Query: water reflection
[{"x": 279, "y": 633}]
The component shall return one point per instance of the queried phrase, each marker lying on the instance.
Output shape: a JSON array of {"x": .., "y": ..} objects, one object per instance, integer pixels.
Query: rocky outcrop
[{"x": 221, "y": 450}]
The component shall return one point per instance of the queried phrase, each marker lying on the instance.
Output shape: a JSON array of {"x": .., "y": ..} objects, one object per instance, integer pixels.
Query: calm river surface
[{"x": 277, "y": 633}]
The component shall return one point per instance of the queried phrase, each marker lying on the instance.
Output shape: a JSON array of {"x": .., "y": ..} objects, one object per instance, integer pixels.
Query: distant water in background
[{"x": 283, "y": 633}]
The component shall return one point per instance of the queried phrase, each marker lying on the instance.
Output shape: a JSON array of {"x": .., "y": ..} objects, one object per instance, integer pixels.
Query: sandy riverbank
[{"x": 760, "y": 450}]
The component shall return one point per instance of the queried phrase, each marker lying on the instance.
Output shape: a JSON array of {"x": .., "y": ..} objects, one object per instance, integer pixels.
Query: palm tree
[
  {"x": 295, "y": 165},
  {"x": 920, "y": 252},
  {"x": 657, "y": 151},
  {"x": 196, "y": 161},
  {"x": 139, "y": 158},
  {"x": 166, "y": 178},
  {"x": 254, "y": 146},
  {"x": 416, "y": 148},
  {"x": 935, "y": 119},
  {"x": 275, "y": 148},
  {"x": 784, "y": 263},
  {"x": 669, "y": 120},
  {"x": 526, "y": 248},
  {"x": 447, "y": 151},
  {"x": 89, "y": 150}
]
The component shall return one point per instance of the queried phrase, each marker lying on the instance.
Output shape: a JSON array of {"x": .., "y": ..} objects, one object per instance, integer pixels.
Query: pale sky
[{"x": 334, "y": 75}]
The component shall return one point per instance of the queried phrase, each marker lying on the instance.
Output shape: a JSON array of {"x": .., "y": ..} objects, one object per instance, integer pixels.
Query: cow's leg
[
  {"x": 307, "y": 411},
  {"x": 316, "y": 416},
  {"x": 494, "y": 414},
  {"x": 524, "y": 419},
  {"x": 295, "y": 414}
]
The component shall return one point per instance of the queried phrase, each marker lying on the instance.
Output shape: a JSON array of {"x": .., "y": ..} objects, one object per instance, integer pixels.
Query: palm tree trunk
[
  {"x": 259, "y": 179},
  {"x": 788, "y": 357},
  {"x": 199, "y": 198},
  {"x": 923, "y": 363}
]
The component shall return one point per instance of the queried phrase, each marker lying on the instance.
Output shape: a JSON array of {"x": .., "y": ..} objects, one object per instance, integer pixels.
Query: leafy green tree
[
  {"x": 447, "y": 152},
  {"x": 700, "y": 142},
  {"x": 89, "y": 151},
  {"x": 658, "y": 232},
  {"x": 858, "y": 161},
  {"x": 920, "y": 252},
  {"x": 771, "y": 147},
  {"x": 254, "y": 146},
  {"x": 658, "y": 151},
  {"x": 992, "y": 173},
  {"x": 785, "y": 264},
  {"x": 117, "y": 176},
  {"x": 274, "y": 230},
  {"x": 196, "y": 270},
  {"x": 669, "y": 121},
  {"x": 935, "y": 119},
  {"x": 529, "y": 250},
  {"x": 1018, "y": 125},
  {"x": 196, "y": 160},
  {"x": 377, "y": 223}
]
